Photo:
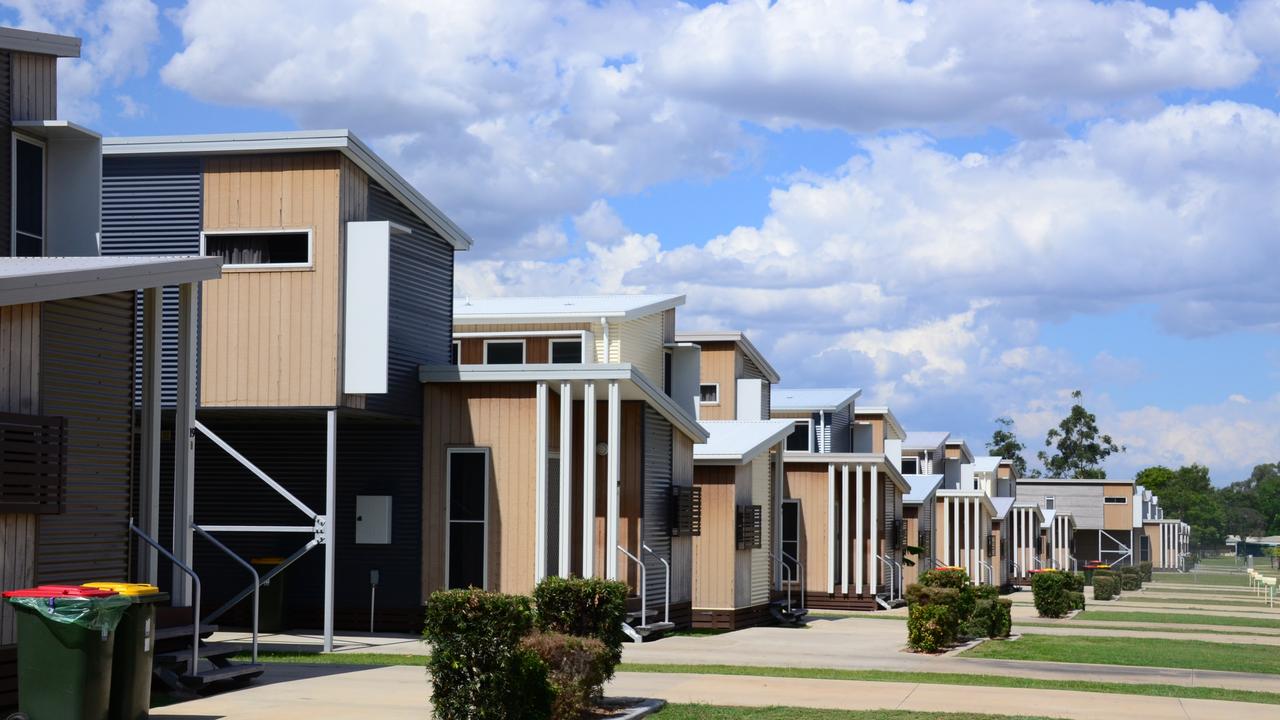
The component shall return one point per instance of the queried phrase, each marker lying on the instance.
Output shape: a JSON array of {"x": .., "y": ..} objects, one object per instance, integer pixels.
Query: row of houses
[{"x": 221, "y": 348}]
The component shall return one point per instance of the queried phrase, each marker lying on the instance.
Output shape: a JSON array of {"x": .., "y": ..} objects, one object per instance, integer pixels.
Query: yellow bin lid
[{"x": 124, "y": 588}]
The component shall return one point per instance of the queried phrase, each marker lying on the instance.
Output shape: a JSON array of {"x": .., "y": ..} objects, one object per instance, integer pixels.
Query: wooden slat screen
[
  {"x": 686, "y": 510},
  {"x": 750, "y": 526},
  {"x": 33, "y": 463}
]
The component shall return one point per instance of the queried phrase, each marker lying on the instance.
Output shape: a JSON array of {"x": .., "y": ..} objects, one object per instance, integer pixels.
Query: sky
[{"x": 967, "y": 209}]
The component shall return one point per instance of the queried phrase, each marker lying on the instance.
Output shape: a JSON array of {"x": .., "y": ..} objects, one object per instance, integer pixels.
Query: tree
[
  {"x": 1259, "y": 493},
  {"x": 1079, "y": 448},
  {"x": 1188, "y": 494},
  {"x": 1004, "y": 443}
]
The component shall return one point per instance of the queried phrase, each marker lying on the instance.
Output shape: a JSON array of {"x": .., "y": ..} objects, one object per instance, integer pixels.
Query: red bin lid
[{"x": 46, "y": 591}]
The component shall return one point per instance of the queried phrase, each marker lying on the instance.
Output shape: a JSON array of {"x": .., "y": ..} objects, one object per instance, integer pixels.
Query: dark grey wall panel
[
  {"x": 87, "y": 377},
  {"x": 6, "y": 131},
  {"x": 421, "y": 313},
  {"x": 657, "y": 501},
  {"x": 152, "y": 206}
]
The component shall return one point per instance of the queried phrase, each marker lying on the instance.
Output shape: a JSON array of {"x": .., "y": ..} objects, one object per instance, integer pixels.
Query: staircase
[
  {"x": 639, "y": 626},
  {"x": 787, "y": 612},
  {"x": 642, "y": 622},
  {"x": 887, "y": 602},
  {"x": 214, "y": 669}
]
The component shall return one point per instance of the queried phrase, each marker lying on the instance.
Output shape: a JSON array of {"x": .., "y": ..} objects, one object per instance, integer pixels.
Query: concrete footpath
[{"x": 853, "y": 695}]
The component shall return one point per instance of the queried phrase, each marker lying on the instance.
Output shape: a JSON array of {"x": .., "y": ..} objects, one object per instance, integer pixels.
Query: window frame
[
  {"x": 913, "y": 458},
  {"x": 551, "y": 350},
  {"x": 448, "y": 501},
  {"x": 524, "y": 349},
  {"x": 709, "y": 402},
  {"x": 808, "y": 434},
  {"x": 782, "y": 539},
  {"x": 1115, "y": 500},
  {"x": 264, "y": 267},
  {"x": 456, "y": 345},
  {"x": 18, "y": 137},
  {"x": 1050, "y": 502}
]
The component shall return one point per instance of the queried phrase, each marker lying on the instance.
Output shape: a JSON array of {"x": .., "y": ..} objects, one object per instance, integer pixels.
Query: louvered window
[
  {"x": 686, "y": 511},
  {"x": 33, "y": 464},
  {"x": 750, "y": 527}
]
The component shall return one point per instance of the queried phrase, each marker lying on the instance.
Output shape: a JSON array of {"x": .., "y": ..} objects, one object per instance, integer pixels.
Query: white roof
[
  {"x": 895, "y": 428},
  {"x": 1074, "y": 481},
  {"x": 1002, "y": 505},
  {"x": 1048, "y": 516},
  {"x": 560, "y": 308},
  {"x": 39, "y": 43},
  {"x": 732, "y": 336},
  {"x": 343, "y": 141},
  {"x": 814, "y": 399},
  {"x": 739, "y": 441},
  {"x": 918, "y": 440},
  {"x": 986, "y": 463},
  {"x": 31, "y": 280},
  {"x": 921, "y": 487}
]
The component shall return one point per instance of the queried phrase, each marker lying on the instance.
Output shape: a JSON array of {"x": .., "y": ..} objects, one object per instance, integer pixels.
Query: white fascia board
[
  {"x": 39, "y": 43},
  {"x": 584, "y": 316},
  {"x": 83, "y": 282},
  {"x": 982, "y": 498},
  {"x": 879, "y": 459},
  {"x": 56, "y": 129},
  {"x": 896, "y": 430},
  {"x": 747, "y": 455},
  {"x": 748, "y": 348},
  {"x": 1021, "y": 504}
]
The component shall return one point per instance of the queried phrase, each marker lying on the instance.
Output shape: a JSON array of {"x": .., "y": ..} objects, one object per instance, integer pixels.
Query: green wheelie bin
[
  {"x": 66, "y": 635},
  {"x": 135, "y": 649}
]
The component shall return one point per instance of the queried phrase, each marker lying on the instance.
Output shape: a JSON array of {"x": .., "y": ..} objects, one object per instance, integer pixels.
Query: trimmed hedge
[
  {"x": 1145, "y": 568},
  {"x": 1077, "y": 600},
  {"x": 929, "y": 627},
  {"x": 592, "y": 608},
  {"x": 1077, "y": 581},
  {"x": 576, "y": 669},
  {"x": 1051, "y": 593},
  {"x": 479, "y": 670},
  {"x": 1002, "y": 619},
  {"x": 1104, "y": 588},
  {"x": 958, "y": 579},
  {"x": 1130, "y": 578}
]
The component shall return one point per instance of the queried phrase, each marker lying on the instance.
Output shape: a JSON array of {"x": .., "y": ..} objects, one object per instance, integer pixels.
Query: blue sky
[{"x": 908, "y": 198}]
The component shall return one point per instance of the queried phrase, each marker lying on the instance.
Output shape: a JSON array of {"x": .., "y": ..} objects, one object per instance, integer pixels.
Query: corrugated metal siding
[
  {"x": 762, "y": 495},
  {"x": 841, "y": 437},
  {"x": 641, "y": 345},
  {"x": 6, "y": 133},
  {"x": 87, "y": 377},
  {"x": 657, "y": 498},
  {"x": 1084, "y": 502},
  {"x": 152, "y": 206},
  {"x": 421, "y": 311},
  {"x": 766, "y": 402}
]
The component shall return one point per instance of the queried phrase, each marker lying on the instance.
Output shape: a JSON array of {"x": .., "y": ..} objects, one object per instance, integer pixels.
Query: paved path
[
  {"x": 385, "y": 643},
  {"x": 852, "y": 695}
]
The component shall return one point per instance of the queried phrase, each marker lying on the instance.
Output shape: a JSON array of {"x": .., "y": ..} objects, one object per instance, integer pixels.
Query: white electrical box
[{"x": 373, "y": 519}]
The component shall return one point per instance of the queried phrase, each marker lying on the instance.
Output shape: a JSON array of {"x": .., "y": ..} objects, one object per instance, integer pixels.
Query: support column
[
  {"x": 859, "y": 510},
  {"x": 184, "y": 443},
  {"x": 540, "y": 485},
  {"x": 566, "y": 480},
  {"x": 954, "y": 557},
  {"x": 831, "y": 527},
  {"x": 977, "y": 532},
  {"x": 589, "y": 480},
  {"x": 875, "y": 529},
  {"x": 149, "y": 483},
  {"x": 613, "y": 478},
  {"x": 780, "y": 487},
  {"x": 968, "y": 534},
  {"x": 944, "y": 536},
  {"x": 844, "y": 528},
  {"x": 330, "y": 521}
]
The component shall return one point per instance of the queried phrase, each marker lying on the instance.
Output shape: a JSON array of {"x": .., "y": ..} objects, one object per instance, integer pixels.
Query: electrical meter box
[{"x": 373, "y": 519}]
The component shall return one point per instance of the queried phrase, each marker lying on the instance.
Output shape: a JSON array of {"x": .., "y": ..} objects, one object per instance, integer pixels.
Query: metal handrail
[
  {"x": 666, "y": 607},
  {"x": 800, "y": 573},
  {"x": 892, "y": 584},
  {"x": 644, "y": 609},
  {"x": 901, "y": 579},
  {"x": 247, "y": 566},
  {"x": 1017, "y": 568},
  {"x": 991, "y": 573},
  {"x": 264, "y": 580},
  {"x": 195, "y": 581},
  {"x": 786, "y": 575}
]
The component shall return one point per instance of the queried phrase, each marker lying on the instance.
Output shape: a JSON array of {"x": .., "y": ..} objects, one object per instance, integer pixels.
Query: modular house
[
  {"x": 337, "y": 284},
  {"x": 1101, "y": 508},
  {"x": 919, "y": 507},
  {"x": 841, "y": 510},
  {"x": 737, "y": 473},
  {"x": 561, "y": 443}
]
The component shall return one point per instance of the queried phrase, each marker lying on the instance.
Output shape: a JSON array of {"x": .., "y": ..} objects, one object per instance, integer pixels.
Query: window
[
  {"x": 503, "y": 352},
  {"x": 28, "y": 197},
  {"x": 790, "y": 537},
  {"x": 1049, "y": 502},
  {"x": 257, "y": 249},
  {"x": 566, "y": 351},
  {"x": 666, "y": 372},
  {"x": 466, "y": 545},
  {"x": 799, "y": 439},
  {"x": 709, "y": 394},
  {"x": 911, "y": 465},
  {"x": 1113, "y": 500},
  {"x": 455, "y": 352}
]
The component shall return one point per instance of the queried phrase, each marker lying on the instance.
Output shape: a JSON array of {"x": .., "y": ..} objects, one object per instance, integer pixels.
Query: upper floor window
[
  {"x": 1114, "y": 500},
  {"x": 800, "y": 440},
  {"x": 1048, "y": 503},
  {"x": 911, "y": 465},
  {"x": 566, "y": 351},
  {"x": 455, "y": 352},
  {"x": 504, "y": 352},
  {"x": 709, "y": 394},
  {"x": 28, "y": 197},
  {"x": 259, "y": 249}
]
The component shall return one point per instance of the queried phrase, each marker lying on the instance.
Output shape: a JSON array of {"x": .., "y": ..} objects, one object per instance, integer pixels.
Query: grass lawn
[
  {"x": 1154, "y": 690},
  {"x": 1103, "y": 627},
  {"x": 1133, "y": 597},
  {"x": 1173, "y": 619},
  {"x": 1185, "y": 654},
  {"x": 1238, "y": 579},
  {"x": 720, "y": 712}
]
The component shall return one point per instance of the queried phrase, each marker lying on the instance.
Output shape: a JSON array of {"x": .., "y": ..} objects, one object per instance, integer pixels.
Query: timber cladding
[
  {"x": 721, "y": 364},
  {"x": 714, "y": 551},
  {"x": 271, "y": 338},
  {"x": 1118, "y": 516}
]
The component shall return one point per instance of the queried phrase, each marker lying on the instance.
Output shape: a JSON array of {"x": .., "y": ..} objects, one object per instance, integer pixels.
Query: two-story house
[
  {"x": 1101, "y": 524},
  {"x": 1163, "y": 542},
  {"x": 561, "y": 443}
]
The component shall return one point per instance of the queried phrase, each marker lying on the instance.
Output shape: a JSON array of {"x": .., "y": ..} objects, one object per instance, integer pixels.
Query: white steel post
[
  {"x": 566, "y": 478},
  {"x": 330, "y": 521},
  {"x": 589, "y": 480},
  {"x": 946, "y": 528},
  {"x": 613, "y": 478},
  {"x": 977, "y": 530},
  {"x": 967, "y": 553},
  {"x": 831, "y": 527},
  {"x": 844, "y": 528},
  {"x": 184, "y": 442},
  {"x": 875, "y": 530},
  {"x": 149, "y": 502},
  {"x": 859, "y": 508},
  {"x": 540, "y": 485}
]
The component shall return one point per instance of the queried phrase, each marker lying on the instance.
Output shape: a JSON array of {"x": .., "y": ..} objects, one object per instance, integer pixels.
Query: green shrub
[
  {"x": 944, "y": 597},
  {"x": 1077, "y": 581},
  {"x": 1077, "y": 600},
  {"x": 957, "y": 579},
  {"x": 1104, "y": 588},
  {"x": 576, "y": 670},
  {"x": 1130, "y": 578},
  {"x": 1002, "y": 619},
  {"x": 592, "y": 608},
  {"x": 1145, "y": 569},
  {"x": 929, "y": 627},
  {"x": 1050, "y": 592},
  {"x": 479, "y": 670}
]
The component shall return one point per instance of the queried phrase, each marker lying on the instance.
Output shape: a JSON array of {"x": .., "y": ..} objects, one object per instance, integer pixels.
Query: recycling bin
[
  {"x": 270, "y": 596},
  {"x": 66, "y": 635},
  {"x": 134, "y": 649}
]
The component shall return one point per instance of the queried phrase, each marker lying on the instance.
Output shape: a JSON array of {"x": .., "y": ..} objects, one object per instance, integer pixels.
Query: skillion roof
[
  {"x": 922, "y": 486},
  {"x": 986, "y": 463},
  {"x": 813, "y": 399},
  {"x": 924, "y": 440},
  {"x": 39, "y": 43},
  {"x": 32, "y": 280},
  {"x": 740, "y": 339},
  {"x": 560, "y": 308},
  {"x": 895, "y": 428},
  {"x": 739, "y": 441}
]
